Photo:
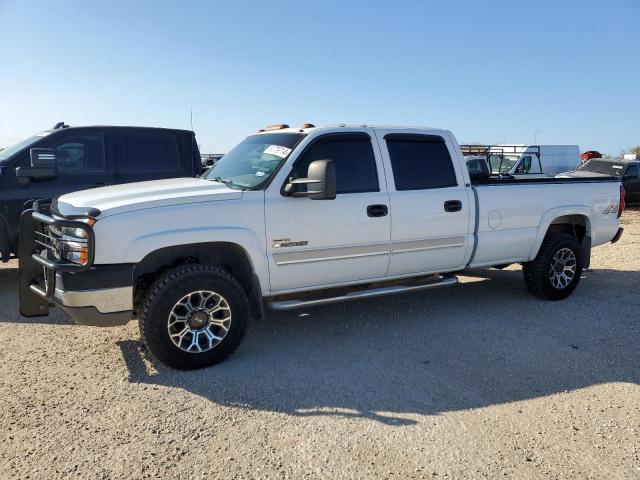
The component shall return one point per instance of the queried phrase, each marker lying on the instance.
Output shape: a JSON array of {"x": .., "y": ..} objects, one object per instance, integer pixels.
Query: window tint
[
  {"x": 354, "y": 160},
  {"x": 420, "y": 162},
  {"x": 80, "y": 153},
  {"x": 632, "y": 172},
  {"x": 148, "y": 151}
]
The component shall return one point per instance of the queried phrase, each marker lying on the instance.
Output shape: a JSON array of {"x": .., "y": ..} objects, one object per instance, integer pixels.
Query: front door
[
  {"x": 430, "y": 205},
  {"x": 311, "y": 243},
  {"x": 83, "y": 162}
]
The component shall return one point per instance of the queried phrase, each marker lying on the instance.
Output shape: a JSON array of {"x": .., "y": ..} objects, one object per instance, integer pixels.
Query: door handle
[
  {"x": 452, "y": 206},
  {"x": 377, "y": 210}
]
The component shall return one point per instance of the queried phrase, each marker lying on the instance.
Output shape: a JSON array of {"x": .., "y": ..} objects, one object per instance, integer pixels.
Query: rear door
[
  {"x": 430, "y": 204},
  {"x": 148, "y": 154},
  {"x": 312, "y": 243}
]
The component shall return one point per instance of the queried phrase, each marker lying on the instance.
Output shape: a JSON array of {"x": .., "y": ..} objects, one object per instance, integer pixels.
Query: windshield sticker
[
  {"x": 260, "y": 173},
  {"x": 618, "y": 167},
  {"x": 277, "y": 150}
]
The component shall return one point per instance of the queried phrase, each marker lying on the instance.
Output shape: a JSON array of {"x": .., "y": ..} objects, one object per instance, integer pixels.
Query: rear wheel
[
  {"x": 193, "y": 316},
  {"x": 555, "y": 272}
]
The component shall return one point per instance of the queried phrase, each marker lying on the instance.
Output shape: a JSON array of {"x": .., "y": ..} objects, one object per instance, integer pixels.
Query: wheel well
[
  {"x": 575, "y": 225},
  {"x": 228, "y": 256}
]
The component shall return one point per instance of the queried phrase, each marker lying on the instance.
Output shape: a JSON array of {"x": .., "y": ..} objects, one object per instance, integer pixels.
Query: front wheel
[
  {"x": 193, "y": 316},
  {"x": 555, "y": 272}
]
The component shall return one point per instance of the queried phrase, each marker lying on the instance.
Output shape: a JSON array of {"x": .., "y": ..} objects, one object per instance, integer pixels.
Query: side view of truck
[{"x": 297, "y": 217}]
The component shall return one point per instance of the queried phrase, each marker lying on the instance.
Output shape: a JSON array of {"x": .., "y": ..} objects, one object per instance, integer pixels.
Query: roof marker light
[{"x": 270, "y": 128}]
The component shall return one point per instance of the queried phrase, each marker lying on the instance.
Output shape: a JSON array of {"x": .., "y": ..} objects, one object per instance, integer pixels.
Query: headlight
[
  {"x": 75, "y": 252},
  {"x": 74, "y": 232},
  {"x": 73, "y": 243}
]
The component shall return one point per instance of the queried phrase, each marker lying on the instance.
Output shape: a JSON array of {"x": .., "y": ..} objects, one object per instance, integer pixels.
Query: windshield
[
  {"x": 598, "y": 166},
  {"x": 508, "y": 162},
  {"x": 252, "y": 162},
  {"x": 7, "y": 152}
]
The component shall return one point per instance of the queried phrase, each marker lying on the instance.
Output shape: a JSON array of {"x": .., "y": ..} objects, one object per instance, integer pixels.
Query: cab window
[
  {"x": 353, "y": 157},
  {"x": 420, "y": 162},
  {"x": 78, "y": 153},
  {"x": 148, "y": 151},
  {"x": 528, "y": 164}
]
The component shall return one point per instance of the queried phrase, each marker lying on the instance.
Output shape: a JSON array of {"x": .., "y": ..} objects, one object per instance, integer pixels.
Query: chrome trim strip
[
  {"x": 358, "y": 251},
  {"x": 333, "y": 253},
  {"x": 429, "y": 244},
  {"x": 106, "y": 300},
  {"x": 373, "y": 292}
]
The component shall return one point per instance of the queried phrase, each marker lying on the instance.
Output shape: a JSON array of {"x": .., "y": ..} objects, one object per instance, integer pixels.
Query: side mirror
[
  {"x": 478, "y": 171},
  {"x": 43, "y": 164},
  {"x": 320, "y": 182}
]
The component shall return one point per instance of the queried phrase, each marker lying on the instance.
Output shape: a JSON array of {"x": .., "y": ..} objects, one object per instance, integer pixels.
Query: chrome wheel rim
[
  {"x": 199, "y": 321},
  {"x": 563, "y": 268}
]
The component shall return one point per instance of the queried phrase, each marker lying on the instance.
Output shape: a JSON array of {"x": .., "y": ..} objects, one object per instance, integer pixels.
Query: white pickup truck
[{"x": 295, "y": 217}]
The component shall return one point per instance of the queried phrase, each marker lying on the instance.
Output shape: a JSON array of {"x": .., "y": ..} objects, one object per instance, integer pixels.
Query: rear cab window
[
  {"x": 148, "y": 151},
  {"x": 420, "y": 162}
]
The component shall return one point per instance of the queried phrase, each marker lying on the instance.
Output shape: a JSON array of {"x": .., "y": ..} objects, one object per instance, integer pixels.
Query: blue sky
[{"x": 490, "y": 71}]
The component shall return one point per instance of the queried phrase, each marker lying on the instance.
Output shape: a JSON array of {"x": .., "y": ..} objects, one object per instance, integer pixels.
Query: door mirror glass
[
  {"x": 43, "y": 164},
  {"x": 320, "y": 182}
]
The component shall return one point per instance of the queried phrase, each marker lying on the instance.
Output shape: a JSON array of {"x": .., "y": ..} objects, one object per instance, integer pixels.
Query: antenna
[{"x": 191, "y": 118}]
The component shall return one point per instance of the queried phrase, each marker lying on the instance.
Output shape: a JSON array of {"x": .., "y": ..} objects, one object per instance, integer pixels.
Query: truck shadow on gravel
[{"x": 484, "y": 342}]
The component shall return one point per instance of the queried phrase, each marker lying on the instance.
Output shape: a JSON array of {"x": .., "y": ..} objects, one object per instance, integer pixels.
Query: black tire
[
  {"x": 174, "y": 285},
  {"x": 537, "y": 273}
]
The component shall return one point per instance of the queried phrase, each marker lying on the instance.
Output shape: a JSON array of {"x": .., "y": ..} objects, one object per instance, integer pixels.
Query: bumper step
[{"x": 292, "y": 303}]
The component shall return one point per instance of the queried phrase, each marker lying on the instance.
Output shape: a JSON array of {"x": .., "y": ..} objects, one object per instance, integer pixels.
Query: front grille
[{"x": 50, "y": 238}]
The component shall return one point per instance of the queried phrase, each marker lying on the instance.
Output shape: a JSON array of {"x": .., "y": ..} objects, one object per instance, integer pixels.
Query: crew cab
[
  {"x": 66, "y": 159},
  {"x": 297, "y": 217}
]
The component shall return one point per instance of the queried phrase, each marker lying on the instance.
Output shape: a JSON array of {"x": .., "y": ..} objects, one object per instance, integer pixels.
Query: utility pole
[{"x": 535, "y": 135}]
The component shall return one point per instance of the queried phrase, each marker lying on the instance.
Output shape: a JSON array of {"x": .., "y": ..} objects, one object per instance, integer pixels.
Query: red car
[{"x": 589, "y": 154}]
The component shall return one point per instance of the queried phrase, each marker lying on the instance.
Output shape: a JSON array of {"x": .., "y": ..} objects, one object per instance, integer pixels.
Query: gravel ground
[{"x": 475, "y": 381}]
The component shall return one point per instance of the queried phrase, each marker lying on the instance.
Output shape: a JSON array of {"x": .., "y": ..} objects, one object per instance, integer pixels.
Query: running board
[{"x": 293, "y": 303}]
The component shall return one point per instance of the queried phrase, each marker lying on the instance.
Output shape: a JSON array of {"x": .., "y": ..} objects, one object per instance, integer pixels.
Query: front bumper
[
  {"x": 100, "y": 295},
  {"x": 91, "y": 316},
  {"x": 101, "y": 307}
]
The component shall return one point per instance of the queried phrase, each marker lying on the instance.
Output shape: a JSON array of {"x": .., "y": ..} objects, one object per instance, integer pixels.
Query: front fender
[
  {"x": 551, "y": 215},
  {"x": 142, "y": 246}
]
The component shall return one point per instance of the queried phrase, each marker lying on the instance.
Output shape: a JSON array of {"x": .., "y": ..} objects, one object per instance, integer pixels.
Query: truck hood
[{"x": 140, "y": 195}]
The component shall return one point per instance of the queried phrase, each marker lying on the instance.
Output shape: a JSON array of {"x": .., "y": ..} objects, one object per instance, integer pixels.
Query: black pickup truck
[{"x": 66, "y": 159}]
